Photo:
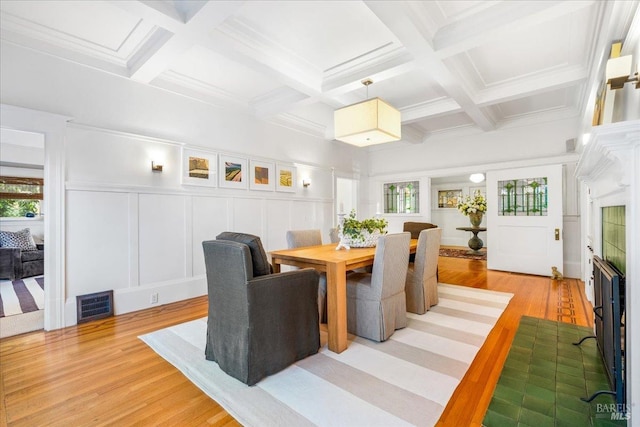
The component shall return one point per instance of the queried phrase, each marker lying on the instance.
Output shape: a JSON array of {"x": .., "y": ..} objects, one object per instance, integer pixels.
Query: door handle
[{"x": 557, "y": 234}]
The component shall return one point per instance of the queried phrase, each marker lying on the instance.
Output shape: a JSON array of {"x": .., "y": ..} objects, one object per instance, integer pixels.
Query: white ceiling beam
[
  {"x": 418, "y": 112},
  {"x": 154, "y": 56},
  {"x": 237, "y": 43},
  {"x": 377, "y": 71},
  {"x": 150, "y": 14},
  {"x": 402, "y": 19},
  {"x": 497, "y": 22},
  {"x": 241, "y": 43},
  {"x": 158, "y": 56},
  {"x": 413, "y": 135}
]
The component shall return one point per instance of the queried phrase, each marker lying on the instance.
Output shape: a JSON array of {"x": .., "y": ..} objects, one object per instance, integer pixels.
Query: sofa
[{"x": 20, "y": 256}]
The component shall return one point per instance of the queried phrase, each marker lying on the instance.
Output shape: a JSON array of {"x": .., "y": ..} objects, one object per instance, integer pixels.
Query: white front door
[{"x": 524, "y": 220}]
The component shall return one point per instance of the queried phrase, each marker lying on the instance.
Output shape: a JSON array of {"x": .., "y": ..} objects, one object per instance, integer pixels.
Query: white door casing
[
  {"x": 53, "y": 127},
  {"x": 525, "y": 244}
]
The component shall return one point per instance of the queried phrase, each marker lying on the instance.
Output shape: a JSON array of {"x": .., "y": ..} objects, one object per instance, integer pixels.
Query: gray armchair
[
  {"x": 257, "y": 324},
  {"x": 376, "y": 302},
  {"x": 422, "y": 282},
  {"x": 300, "y": 239}
]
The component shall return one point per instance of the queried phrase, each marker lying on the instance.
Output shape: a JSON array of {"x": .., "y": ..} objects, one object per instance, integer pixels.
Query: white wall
[
  {"x": 452, "y": 155},
  {"x": 139, "y": 232}
]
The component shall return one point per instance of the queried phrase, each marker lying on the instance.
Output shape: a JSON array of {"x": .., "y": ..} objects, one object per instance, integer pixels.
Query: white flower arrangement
[{"x": 474, "y": 204}]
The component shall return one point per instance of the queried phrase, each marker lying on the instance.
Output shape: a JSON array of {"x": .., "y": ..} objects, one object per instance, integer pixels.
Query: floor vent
[{"x": 94, "y": 306}]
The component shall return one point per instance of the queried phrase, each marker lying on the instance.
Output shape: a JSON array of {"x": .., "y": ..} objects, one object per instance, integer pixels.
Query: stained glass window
[
  {"x": 402, "y": 197},
  {"x": 523, "y": 197}
]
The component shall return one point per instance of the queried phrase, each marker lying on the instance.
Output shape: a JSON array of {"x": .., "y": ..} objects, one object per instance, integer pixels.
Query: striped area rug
[
  {"x": 406, "y": 380},
  {"x": 21, "y": 296}
]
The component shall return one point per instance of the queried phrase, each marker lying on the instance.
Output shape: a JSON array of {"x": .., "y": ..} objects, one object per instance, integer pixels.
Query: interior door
[{"x": 524, "y": 220}]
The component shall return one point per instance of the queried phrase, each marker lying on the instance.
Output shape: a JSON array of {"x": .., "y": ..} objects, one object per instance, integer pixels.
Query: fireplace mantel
[
  {"x": 610, "y": 171},
  {"x": 607, "y": 162}
]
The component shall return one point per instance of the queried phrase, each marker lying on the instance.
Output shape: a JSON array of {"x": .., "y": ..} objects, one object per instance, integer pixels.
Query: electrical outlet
[{"x": 154, "y": 298}]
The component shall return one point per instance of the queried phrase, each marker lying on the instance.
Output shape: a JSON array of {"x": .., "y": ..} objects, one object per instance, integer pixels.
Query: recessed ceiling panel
[
  {"x": 215, "y": 70},
  {"x": 326, "y": 34},
  {"x": 411, "y": 88},
  {"x": 455, "y": 10},
  {"x": 548, "y": 46},
  {"x": 97, "y": 22},
  {"x": 554, "y": 100}
]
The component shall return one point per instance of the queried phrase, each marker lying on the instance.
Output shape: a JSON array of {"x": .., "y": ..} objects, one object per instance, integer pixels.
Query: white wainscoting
[
  {"x": 207, "y": 222},
  {"x": 571, "y": 237},
  {"x": 163, "y": 248},
  {"x": 140, "y": 233},
  {"x": 98, "y": 242},
  {"x": 140, "y": 242}
]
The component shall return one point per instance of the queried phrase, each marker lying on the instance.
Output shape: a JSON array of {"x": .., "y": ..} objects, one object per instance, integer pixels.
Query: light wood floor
[{"x": 100, "y": 373}]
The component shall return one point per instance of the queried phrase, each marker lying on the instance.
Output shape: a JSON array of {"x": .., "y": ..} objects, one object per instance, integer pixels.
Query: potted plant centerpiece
[
  {"x": 473, "y": 207},
  {"x": 361, "y": 234}
]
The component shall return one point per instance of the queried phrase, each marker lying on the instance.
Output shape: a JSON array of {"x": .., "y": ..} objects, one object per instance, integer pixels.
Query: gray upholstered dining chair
[
  {"x": 376, "y": 302},
  {"x": 422, "y": 281},
  {"x": 258, "y": 323},
  {"x": 300, "y": 239},
  {"x": 415, "y": 228},
  {"x": 334, "y": 235}
]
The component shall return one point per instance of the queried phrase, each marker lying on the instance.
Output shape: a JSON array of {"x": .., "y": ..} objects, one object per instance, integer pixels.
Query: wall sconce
[
  {"x": 155, "y": 167},
  {"x": 618, "y": 71},
  {"x": 306, "y": 182}
]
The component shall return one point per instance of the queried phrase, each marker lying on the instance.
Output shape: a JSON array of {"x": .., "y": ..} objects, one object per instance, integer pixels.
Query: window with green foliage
[
  {"x": 20, "y": 197},
  {"x": 402, "y": 197}
]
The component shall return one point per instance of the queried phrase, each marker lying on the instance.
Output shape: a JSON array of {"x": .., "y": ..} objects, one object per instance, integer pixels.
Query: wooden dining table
[{"x": 335, "y": 263}]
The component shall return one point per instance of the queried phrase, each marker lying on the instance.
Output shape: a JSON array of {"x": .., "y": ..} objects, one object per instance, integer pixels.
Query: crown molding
[
  {"x": 299, "y": 124},
  {"x": 197, "y": 89}
]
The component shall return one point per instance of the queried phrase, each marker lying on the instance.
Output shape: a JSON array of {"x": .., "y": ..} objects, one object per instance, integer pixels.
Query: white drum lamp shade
[{"x": 367, "y": 123}]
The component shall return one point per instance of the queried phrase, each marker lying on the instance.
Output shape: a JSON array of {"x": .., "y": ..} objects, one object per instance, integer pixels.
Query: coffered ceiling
[{"x": 446, "y": 65}]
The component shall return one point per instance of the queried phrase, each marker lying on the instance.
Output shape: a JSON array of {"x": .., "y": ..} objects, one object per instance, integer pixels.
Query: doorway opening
[{"x": 22, "y": 299}]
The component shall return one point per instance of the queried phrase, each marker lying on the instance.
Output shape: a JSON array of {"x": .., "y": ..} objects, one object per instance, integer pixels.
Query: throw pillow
[{"x": 18, "y": 239}]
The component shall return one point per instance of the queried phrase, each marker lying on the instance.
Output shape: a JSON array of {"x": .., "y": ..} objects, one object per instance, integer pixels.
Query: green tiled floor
[{"x": 545, "y": 376}]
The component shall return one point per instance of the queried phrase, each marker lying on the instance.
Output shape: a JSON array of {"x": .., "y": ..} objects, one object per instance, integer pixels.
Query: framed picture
[
  {"x": 285, "y": 177},
  {"x": 448, "y": 199},
  {"x": 199, "y": 167},
  {"x": 262, "y": 175},
  {"x": 233, "y": 172}
]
